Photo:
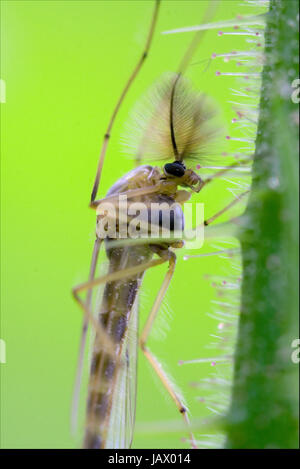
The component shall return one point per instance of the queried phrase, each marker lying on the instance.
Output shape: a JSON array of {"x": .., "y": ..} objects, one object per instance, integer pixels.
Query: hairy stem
[{"x": 264, "y": 410}]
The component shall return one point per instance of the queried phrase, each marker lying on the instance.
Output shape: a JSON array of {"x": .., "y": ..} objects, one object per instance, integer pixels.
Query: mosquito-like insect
[{"x": 176, "y": 130}]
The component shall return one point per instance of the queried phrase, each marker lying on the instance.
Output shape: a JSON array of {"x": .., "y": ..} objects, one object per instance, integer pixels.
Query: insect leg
[
  {"x": 88, "y": 315},
  {"x": 208, "y": 16},
  {"x": 145, "y": 334},
  {"x": 121, "y": 98},
  {"x": 118, "y": 275},
  {"x": 209, "y": 220},
  {"x": 163, "y": 185},
  {"x": 78, "y": 377},
  {"x": 106, "y": 340}
]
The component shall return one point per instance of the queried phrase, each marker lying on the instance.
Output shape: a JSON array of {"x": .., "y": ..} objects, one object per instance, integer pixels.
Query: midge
[{"x": 176, "y": 126}]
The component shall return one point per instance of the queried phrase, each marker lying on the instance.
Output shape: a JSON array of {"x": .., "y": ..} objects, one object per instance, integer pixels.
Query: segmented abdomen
[{"x": 116, "y": 307}]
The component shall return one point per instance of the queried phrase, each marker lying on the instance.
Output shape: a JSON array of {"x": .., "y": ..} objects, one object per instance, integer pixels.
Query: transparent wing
[{"x": 122, "y": 418}]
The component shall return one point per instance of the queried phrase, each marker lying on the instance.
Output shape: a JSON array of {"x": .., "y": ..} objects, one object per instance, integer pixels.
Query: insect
[{"x": 177, "y": 129}]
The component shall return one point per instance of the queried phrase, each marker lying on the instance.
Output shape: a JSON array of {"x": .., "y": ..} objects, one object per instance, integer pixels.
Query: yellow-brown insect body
[{"x": 117, "y": 303}]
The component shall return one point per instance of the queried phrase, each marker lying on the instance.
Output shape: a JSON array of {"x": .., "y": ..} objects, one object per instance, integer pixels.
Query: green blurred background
[{"x": 64, "y": 64}]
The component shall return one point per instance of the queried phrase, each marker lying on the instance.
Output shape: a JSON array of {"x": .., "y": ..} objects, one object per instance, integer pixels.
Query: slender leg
[
  {"x": 208, "y": 16},
  {"x": 231, "y": 204},
  {"x": 163, "y": 185},
  {"x": 123, "y": 94},
  {"x": 107, "y": 342},
  {"x": 130, "y": 271},
  {"x": 146, "y": 332},
  {"x": 88, "y": 315},
  {"x": 75, "y": 401}
]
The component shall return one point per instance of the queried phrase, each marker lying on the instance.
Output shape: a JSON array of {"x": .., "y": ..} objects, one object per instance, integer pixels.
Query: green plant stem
[{"x": 264, "y": 410}]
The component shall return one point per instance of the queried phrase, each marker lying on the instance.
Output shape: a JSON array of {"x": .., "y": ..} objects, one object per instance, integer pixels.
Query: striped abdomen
[{"x": 117, "y": 303}]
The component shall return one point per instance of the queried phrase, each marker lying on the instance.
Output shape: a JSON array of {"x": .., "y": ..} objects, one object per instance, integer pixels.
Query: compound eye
[{"x": 174, "y": 169}]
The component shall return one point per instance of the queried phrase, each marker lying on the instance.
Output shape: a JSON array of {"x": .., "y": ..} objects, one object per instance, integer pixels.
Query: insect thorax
[{"x": 157, "y": 214}]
